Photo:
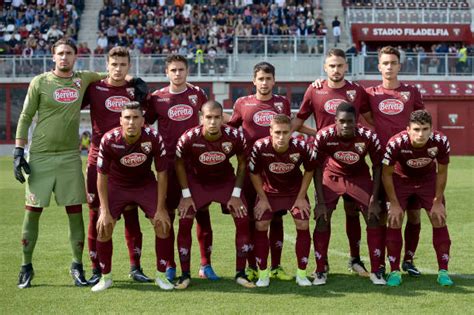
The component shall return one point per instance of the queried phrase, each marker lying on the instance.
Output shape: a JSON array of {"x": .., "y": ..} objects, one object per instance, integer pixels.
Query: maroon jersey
[
  {"x": 347, "y": 157},
  {"x": 281, "y": 173},
  {"x": 323, "y": 102},
  {"x": 129, "y": 165},
  {"x": 391, "y": 109},
  {"x": 105, "y": 103},
  {"x": 255, "y": 116},
  {"x": 209, "y": 161},
  {"x": 416, "y": 162},
  {"x": 176, "y": 113}
]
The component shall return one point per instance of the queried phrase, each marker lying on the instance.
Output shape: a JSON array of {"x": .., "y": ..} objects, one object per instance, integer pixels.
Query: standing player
[
  {"x": 54, "y": 164},
  {"x": 322, "y": 103},
  {"x": 345, "y": 145},
  {"x": 206, "y": 175},
  {"x": 275, "y": 173},
  {"x": 416, "y": 164},
  {"x": 106, "y": 98},
  {"x": 125, "y": 177},
  {"x": 254, "y": 113},
  {"x": 176, "y": 108}
]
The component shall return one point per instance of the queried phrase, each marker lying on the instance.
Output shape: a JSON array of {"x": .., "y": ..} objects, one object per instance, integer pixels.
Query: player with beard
[
  {"x": 206, "y": 175},
  {"x": 254, "y": 113}
]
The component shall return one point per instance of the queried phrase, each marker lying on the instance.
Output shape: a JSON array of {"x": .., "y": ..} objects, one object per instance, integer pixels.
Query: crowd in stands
[{"x": 433, "y": 4}]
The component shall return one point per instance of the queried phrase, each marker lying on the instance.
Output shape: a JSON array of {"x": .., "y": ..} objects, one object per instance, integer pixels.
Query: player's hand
[
  {"x": 438, "y": 212},
  {"x": 19, "y": 162},
  {"x": 318, "y": 83},
  {"x": 302, "y": 206},
  {"x": 236, "y": 205},
  {"x": 105, "y": 224},
  {"x": 374, "y": 208},
  {"x": 162, "y": 219},
  {"x": 321, "y": 211},
  {"x": 395, "y": 215},
  {"x": 184, "y": 205},
  {"x": 141, "y": 89},
  {"x": 260, "y": 208}
]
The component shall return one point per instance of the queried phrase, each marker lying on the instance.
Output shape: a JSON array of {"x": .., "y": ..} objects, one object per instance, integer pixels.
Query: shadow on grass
[{"x": 339, "y": 285}]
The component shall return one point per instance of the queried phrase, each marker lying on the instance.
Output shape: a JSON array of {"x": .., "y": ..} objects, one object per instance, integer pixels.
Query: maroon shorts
[
  {"x": 204, "y": 194},
  {"x": 91, "y": 186},
  {"x": 357, "y": 187},
  {"x": 421, "y": 190},
  {"x": 145, "y": 196},
  {"x": 280, "y": 205},
  {"x": 173, "y": 194},
  {"x": 249, "y": 193}
]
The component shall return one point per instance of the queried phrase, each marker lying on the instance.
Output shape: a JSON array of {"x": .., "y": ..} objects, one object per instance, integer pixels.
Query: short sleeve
[
  {"x": 236, "y": 118},
  {"x": 391, "y": 152},
  {"x": 161, "y": 162},
  {"x": 103, "y": 160},
  {"x": 255, "y": 165},
  {"x": 306, "y": 108}
]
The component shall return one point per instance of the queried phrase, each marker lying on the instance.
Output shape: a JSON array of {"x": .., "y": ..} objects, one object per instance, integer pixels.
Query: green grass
[{"x": 52, "y": 291}]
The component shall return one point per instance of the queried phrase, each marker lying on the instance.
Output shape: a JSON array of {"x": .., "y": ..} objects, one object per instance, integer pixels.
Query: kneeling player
[
  {"x": 345, "y": 145},
  {"x": 275, "y": 173},
  {"x": 416, "y": 165},
  {"x": 206, "y": 175},
  {"x": 125, "y": 177}
]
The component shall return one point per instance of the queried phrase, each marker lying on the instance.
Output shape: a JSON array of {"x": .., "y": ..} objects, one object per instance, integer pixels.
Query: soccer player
[
  {"x": 176, "y": 108},
  {"x": 54, "y": 164},
  {"x": 345, "y": 145},
  {"x": 105, "y": 99},
  {"x": 125, "y": 177},
  {"x": 205, "y": 174},
  {"x": 322, "y": 103},
  {"x": 275, "y": 173},
  {"x": 254, "y": 113},
  {"x": 416, "y": 165}
]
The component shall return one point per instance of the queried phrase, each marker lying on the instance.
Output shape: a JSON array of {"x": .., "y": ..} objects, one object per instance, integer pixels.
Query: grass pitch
[{"x": 52, "y": 290}]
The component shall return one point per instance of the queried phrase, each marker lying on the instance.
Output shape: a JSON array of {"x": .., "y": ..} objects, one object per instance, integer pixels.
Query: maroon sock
[
  {"x": 261, "y": 248},
  {"x": 104, "y": 249},
  {"x": 252, "y": 263},
  {"x": 302, "y": 248},
  {"x": 442, "y": 244},
  {"x": 353, "y": 232},
  {"x": 375, "y": 242},
  {"x": 161, "y": 252},
  {"x": 394, "y": 244},
  {"x": 242, "y": 242},
  {"x": 204, "y": 235},
  {"x": 412, "y": 237},
  {"x": 133, "y": 236},
  {"x": 170, "y": 243},
  {"x": 321, "y": 244},
  {"x": 92, "y": 238},
  {"x": 384, "y": 248},
  {"x": 184, "y": 243},
  {"x": 276, "y": 240}
]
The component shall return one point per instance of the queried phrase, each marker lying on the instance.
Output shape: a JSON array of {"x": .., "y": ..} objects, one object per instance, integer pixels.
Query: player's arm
[
  {"x": 235, "y": 202},
  {"x": 105, "y": 223},
  {"x": 301, "y": 203},
  {"x": 297, "y": 124},
  {"x": 395, "y": 212},
  {"x": 161, "y": 216},
  {"x": 320, "y": 209},
  {"x": 186, "y": 201},
  {"x": 369, "y": 118},
  {"x": 438, "y": 210},
  {"x": 374, "y": 205},
  {"x": 263, "y": 204}
]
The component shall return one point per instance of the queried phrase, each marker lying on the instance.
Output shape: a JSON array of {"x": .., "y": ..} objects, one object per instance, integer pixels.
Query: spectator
[
  {"x": 102, "y": 41},
  {"x": 336, "y": 30},
  {"x": 54, "y": 33}
]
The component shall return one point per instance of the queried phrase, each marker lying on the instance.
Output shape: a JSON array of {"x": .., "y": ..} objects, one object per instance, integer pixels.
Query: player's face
[
  {"x": 64, "y": 58},
  {"x": 212, "y": 120},
  {"x": 281, "y": 134},
  {"x": 335, "y": 67},
  {"x": 117, "y": 68},
  {"x": 419, "y": 133},
  {"x": 389, "y": 66},
  {"x": 345, "y": 125},
  {"x": 264, "y": 82},
  {"x": 177, "y": 73},
  {"x": 132, "y": 121}
]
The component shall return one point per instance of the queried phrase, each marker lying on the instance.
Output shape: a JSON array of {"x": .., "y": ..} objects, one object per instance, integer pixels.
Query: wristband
[
  {"x": 186, "y": 193},
  {"x": 236, "y": 192}
]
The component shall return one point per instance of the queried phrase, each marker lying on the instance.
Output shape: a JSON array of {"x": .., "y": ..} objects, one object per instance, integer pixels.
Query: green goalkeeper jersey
[{"x": 58, "y": 103}]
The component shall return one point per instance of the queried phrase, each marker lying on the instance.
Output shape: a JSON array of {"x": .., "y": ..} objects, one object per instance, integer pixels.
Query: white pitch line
[{"x": 292, "y": 239}]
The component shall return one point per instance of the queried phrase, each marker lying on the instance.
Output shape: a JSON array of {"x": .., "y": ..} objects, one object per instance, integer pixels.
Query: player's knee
[
  {"x": 104, "y": 236},
  {"x": 322, "y": 225},
  {"x": 413, "y": 216},
  {"x": 302, "y": 224},
  {"x": 373, "y": 222},
  {"x": 160, "y": 231},
  {"x": 262, "y": 225}
]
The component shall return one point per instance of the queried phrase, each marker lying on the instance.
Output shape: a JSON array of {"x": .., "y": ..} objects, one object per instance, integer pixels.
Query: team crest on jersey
[
  {"x": 77, "y": 82},
  {"x": 226, "y": 147},
  {"x": 131, "y": 92},
  {"x": 351, "y": 95},
  {"x": 360, "y": 147},
  {"x": 294, "y": 157},
  {"x": 193, "y": 99},
  {"x": 279, "y": 106},
  {"x": 405, "y": 96},
  {"x": 432, "y": 152},
  {"x": 146, "y": 147}
]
